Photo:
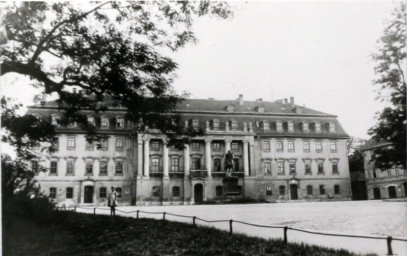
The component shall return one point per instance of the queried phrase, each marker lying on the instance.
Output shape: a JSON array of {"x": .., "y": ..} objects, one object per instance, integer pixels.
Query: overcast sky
[{"x": 317, "y": 52}]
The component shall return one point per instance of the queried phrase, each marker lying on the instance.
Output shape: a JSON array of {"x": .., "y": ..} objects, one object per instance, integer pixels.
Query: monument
[{"x": 230, "y": 187}]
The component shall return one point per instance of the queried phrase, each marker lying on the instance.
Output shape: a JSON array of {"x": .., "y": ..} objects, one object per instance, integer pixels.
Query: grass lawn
[{"x": 81, "y": 234}]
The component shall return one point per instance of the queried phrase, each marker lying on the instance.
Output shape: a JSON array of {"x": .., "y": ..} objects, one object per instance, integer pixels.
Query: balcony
[{"x": 199, "y": 173}]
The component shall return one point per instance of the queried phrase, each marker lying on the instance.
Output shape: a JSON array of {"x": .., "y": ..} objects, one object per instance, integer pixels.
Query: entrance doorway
[
  {"x": 376, "y": 193},
  {"x": 392, "y": 192},
  {"x": 198, "y": 193},
  {"x": 88, "y": 197},
  {"x": 405, "y": 188},
  {"x": 294, "y": 191}
]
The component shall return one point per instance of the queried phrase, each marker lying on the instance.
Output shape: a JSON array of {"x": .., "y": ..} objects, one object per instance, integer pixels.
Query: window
[
  {"x": 119, "y": 122},
  {"x": 266, "y": 126},
  {"x": 196, "y": 163},
  {"x": 306, "y": 146},
  {"x": 155, "y": 145},
  {"x": 234, "y": 125},
  {"x": 374, "y": 174},
  {"x": 52, "y": 192},
  {"x": 266, "y": 145},
  {"x": 70, "y": 167},
  {"x": 89, "y": 145},
  {"x": 104, "y": 122},
  {"x": 317, "y": 127},
  {"x": 235, "y": 146},
  {"x": 72, "y": 124},
  {"x": 290, "y": 125},
  {"x": 54, "y": 167},
  {"x": 308, "y": 167},
  {"x": 119, "y": 192},
  {"x": 91, "y": 120},
  {"x": 331, "y": 127},
  {"x": 69, "y": 193},
  {"x": 267, "y": 168},
  {"x": 174, "y": 164},
  {"x": 279, "y": 126},
  {"x": 318, "y": 146},
  {"x": 155, "y": 164},
  {"x": 309, "y": 190},
  {"x": 332, "y": 146},
  {"x": 280, "y": 167},
  {"x": 335, "y": 167},
  {"x": 337, "y": 189},
  {"x": 34, "y": 166},
  {"x": 104, "y": 144},
  {"x": 280, "y": 147},
  {"x": 175, "y": 191},
  {"x": 89, "y": 168},
  {"x": 195, "y": 146},
  {"x": 71, "y": 143},
  {"x": 320, "y": 167},
  {"x": 217, "y": 165},
  {"x": 156, "y": 191},
  {"x": 216, "y": 124},
  {"x": 195, "y": 123},
  {"x": 119, "y": 144},
  {"x": 282, "y": 190},
  {"x": 291, "y": 147},
  {"x": 102, "y": 192},
  {"x": 229, "y": 108},
  {"x": 260, "y": 109},
  {"x": 292, "y": 167},
  {"x": 55, "y": 120},
  {"x": 216, "y": 146},
  {"x": 103, "y": 168},
  {"x": 219, "y": 190},
  {"x": 269, "y": 190},
  {"x": 119, "y": 167},
  {"x": 305, "y": 127},
  {"x": 322, "y": 189},
  {"x": 237, "y": 164}
]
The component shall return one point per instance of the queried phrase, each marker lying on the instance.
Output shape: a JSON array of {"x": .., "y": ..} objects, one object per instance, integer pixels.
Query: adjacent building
[
  {"x": 382, "y": 184},
  {"x": 282, "y": 152}
]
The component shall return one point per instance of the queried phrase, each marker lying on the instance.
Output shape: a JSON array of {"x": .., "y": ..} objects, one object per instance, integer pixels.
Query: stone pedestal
[{"x": 230, "y": 187}]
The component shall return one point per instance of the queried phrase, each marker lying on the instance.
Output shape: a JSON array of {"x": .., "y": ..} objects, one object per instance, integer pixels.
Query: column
[
  {"x": 208, "y": 158},
  {"x": 186, "y": 161},
  {"x": 246, "y": 158},
  {"x": 165, "y": 161},
  {"x": 139, "y": 156},
  {"x": 252, "y": 164},
  {"x": 146, "y": 157}
]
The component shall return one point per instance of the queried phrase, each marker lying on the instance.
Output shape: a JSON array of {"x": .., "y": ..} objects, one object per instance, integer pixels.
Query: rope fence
[{"x": 389, "y": 239}]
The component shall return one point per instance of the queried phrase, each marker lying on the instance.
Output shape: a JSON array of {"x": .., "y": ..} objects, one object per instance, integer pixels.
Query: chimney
[
  {"x": 292, "y": 100},
  {"x": 240, "y": 99},
  {"x": 285, "y": 101},
  {"x": 74, "y": 90},
  {"x": 82, "y": 92}
]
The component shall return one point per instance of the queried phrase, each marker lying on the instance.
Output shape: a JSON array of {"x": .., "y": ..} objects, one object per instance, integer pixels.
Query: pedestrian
[{"x": 112, "y": 201}]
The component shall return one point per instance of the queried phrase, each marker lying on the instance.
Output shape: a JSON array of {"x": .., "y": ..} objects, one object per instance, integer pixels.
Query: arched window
[{"x": 217, "y": 165}]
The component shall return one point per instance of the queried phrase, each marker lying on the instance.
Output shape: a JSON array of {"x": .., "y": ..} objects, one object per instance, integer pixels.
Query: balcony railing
[{"x": 199, "y": 173}]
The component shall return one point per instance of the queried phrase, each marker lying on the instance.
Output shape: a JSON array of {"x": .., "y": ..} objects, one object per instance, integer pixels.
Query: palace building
[{"x": 281, "y": 151}]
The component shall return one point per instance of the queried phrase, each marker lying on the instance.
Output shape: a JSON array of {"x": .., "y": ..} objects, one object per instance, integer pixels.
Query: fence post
[
  {"x": 74, "y": 208},
  {"x": 164, "y": 215},
  {"x": 231, "y": 227},
  {"x": 285, "y": 234},
  {"x": 193, "y": 221},
  {"x": 138, "y": 213},
  {"x": 389, "y": 249},
  {"x": 94, "y": 211}
]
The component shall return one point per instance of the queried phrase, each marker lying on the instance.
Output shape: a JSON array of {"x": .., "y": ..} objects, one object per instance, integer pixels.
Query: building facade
[
  {"x": 383, "y": 184},
  {"x": 282, "y": 152}
]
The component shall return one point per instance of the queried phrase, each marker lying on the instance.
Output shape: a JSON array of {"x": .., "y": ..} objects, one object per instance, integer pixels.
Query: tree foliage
[
  {"x": 112, "y": 50},
  {"x": 390, "y": 66}
]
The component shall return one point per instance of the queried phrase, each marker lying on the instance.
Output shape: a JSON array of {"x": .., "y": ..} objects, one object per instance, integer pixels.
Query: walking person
[{"x": 112, "y": 201}]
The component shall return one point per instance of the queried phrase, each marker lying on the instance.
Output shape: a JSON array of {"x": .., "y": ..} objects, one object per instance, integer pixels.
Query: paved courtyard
[{"x": 376, "y": 218}]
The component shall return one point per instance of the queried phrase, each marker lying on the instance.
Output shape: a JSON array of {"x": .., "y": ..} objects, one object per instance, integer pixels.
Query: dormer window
[
  {"x": 331, "y": 127},
  {"x": 119, "y": 122},
  {"x": 91, "y": 120},
  {"x": 305, "y": 127},
  {"x": 104, "y": 122},
  {"x": 290, "y": 126},
  {"x": 266, "y": 126},
  {"x": 72, "y": 124},
  {"x": 279, "y": 126},
  {"x": 216, "y": 124},
  {"x": 229, "y": 108},
  {"x": 55, "y": 120},
  {"x": 195, "y": 123},
  {"x": 317, "y": 127},
  {"x": 233, "y": 125},
  {"x": 260, "y": 109}
]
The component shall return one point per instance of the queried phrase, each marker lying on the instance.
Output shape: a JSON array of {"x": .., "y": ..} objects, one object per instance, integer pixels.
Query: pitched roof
[{"x": 373, "y": 143}]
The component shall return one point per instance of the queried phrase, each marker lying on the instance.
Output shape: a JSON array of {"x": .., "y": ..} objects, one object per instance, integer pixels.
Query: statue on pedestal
[{"x": 229, "y": 164}]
